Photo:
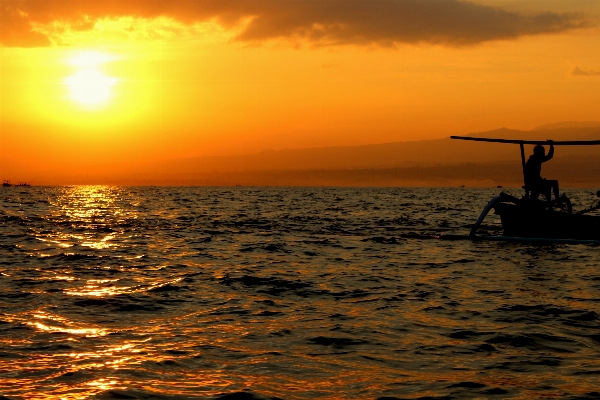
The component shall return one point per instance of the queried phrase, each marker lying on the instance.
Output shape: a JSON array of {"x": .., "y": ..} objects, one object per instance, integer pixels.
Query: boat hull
[{"x": 539, "y": 223}]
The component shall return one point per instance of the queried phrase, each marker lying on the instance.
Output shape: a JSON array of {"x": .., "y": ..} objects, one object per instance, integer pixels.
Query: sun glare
[
  {"x": 89, "y": 86},
  {"x": 89, "y": 59}
]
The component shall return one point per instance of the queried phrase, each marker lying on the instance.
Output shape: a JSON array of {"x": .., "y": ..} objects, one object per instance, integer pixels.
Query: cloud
[
  {"x": 16, "y": 30},
  {"x": 579, "y": 72},
  {"x": 321, "y": 22}
]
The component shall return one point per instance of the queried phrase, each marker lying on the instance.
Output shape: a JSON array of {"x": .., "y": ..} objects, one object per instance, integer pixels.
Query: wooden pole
[
  {"x": 522, "y": 142},
  {"x": 523, "y": 165},
  {"x": 522, "y": 159}
]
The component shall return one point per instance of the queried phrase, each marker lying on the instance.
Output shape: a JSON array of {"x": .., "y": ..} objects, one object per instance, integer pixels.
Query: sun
[{"x": 89, "y": 86}]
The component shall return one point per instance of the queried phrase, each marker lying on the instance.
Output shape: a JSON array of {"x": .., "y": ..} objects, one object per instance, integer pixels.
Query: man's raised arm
[{"x": 551, "y": 152}]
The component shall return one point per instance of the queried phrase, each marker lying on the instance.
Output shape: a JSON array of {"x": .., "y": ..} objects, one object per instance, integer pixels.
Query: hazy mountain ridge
[
  {"x": 440, "y": 162},
  {"x": 571, "y": 171},
  {"x": 568, "y": 124},
  {"x": 395, "y": 154}
]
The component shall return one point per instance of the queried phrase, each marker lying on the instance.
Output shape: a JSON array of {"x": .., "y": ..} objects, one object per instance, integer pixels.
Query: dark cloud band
[{"x": 326, "y": 22}]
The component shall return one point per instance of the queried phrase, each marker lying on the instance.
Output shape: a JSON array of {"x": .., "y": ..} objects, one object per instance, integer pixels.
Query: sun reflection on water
[
  {"x": 95, "y": 288},
  {"x": 47, "y": 322},
  {"x": 89, "y": 217},
  {"x": 194, "y": 298},
  {"x": 83, "y": 231},
  {"x": 88, "y": 203}
]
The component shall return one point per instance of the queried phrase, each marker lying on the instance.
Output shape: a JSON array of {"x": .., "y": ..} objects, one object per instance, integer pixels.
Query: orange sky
[{"x": 212, "y": 77}]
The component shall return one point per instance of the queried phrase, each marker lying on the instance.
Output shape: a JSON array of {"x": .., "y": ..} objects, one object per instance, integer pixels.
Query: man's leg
[
  {"x": 545, "y": 189},
  {"x": 554, "y": 185}
]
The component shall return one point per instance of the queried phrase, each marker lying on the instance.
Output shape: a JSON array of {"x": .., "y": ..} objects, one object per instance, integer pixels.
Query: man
[{"x": 533, "y": 167}]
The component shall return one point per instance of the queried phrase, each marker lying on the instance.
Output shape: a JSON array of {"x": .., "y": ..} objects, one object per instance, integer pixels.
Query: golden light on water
[
  {"x": 107, "y": 288},
  {"x": 89, "y": 332},
  {"x": 48, "y": 322},
  {"x": 95, "y": 210},
  {"x": 166, "y": 312},
  {"x": 92, "y": 206},
  {"x": 102, "y": 244}
]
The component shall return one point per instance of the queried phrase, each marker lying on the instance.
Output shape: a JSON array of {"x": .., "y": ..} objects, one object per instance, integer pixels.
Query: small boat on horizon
[
  {"x": 530, "y": 219},
  {"x": 6, "y": 183}
]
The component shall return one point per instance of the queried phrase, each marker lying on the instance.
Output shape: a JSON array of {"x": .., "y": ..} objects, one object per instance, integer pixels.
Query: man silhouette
[{"x": 533, "y": 167}]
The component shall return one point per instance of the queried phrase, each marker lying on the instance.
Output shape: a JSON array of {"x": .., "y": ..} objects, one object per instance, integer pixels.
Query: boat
[
  {"x": 534, "y": 220},
  {"x": 6, "y": 183},
  {"x": 23, "y": 184}
]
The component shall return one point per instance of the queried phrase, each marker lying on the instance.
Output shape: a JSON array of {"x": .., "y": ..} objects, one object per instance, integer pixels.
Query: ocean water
[{"x": 291, "y": 293}]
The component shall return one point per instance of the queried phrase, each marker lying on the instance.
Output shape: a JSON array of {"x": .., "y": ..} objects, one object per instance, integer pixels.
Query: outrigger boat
[{"x": 529, "y": 219}]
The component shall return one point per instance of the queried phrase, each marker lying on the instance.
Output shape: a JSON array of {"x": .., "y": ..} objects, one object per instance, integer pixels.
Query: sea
[{"x": 111, "y": 292}]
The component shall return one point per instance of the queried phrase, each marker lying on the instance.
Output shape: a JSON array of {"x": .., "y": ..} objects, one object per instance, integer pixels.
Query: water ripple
[{"x": 291, "y": 293}]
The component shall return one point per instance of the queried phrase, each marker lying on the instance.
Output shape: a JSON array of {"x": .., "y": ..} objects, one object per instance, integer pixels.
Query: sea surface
[{"x": 292, "y": 293}]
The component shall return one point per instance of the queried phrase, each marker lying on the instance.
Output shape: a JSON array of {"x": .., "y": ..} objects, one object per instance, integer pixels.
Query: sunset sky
[{"x": 107, "y": 81}]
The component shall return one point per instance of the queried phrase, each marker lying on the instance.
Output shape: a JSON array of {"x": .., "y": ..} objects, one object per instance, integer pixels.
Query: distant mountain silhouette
[
  {"x": 440, "y": 162},
  {"x": 569, "y": 124},
  {"x": 397, "y": 154}
]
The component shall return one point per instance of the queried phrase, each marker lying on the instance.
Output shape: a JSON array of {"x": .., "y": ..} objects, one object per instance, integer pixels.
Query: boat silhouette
[
  {"x": 6, "y": 183},
  {"x": 531, "y": 219}
]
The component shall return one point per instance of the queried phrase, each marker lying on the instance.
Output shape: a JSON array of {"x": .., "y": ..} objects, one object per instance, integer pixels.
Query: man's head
[{"x": 539, "y": 151}]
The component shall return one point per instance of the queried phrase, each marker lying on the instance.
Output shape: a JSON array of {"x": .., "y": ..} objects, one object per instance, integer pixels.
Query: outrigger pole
[
  {"x": 516, "y": 141},
  {"x": 521, "y": 144}
]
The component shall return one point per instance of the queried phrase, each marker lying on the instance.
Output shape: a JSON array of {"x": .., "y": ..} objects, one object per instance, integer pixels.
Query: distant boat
[
  {"x": 531, "y": 219},
  {"x": 23, "y": 184},
  {"x": 6, "y": 183}
]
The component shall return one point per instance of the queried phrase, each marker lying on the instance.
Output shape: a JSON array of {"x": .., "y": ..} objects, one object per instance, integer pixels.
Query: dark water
[{"x": 295, "y": 293}]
